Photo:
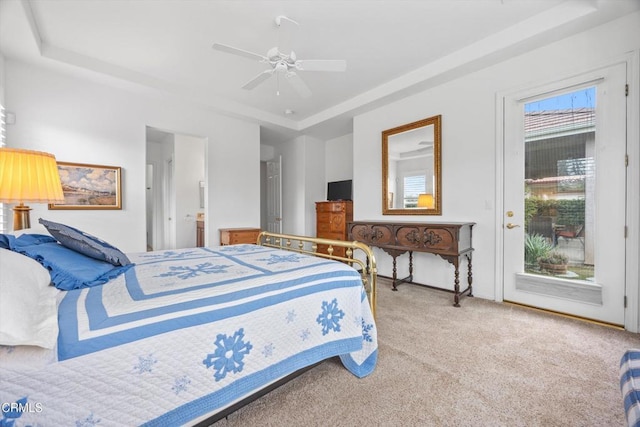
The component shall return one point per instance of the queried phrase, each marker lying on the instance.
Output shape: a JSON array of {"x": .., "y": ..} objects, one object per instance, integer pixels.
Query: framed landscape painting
[{"x": 89, "y": 186}]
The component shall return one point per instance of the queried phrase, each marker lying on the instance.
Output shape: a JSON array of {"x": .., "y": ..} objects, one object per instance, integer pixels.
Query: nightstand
[{"x": 235, "y": 236}]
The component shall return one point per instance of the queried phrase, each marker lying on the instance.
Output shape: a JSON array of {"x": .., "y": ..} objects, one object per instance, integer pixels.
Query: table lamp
[
  {"x": 425, "y": 200},
  {"x": 28, "y": 176}
]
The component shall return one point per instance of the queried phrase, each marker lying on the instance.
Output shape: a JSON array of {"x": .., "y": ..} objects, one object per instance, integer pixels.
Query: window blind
[{"x": 413, "y": 186}]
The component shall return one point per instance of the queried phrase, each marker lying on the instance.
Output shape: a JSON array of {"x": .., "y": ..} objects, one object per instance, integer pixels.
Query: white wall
[
  {"x": 339, "y": 159},
  {"x": 85, "y": 122},
  {"x": 315, "y": 182},
  {"x": 2, "y": 78},
  {"x": 469, "y": 176}
]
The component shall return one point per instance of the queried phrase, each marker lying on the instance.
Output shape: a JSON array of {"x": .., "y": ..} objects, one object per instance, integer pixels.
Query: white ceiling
[{"x": 392, "y": 48}]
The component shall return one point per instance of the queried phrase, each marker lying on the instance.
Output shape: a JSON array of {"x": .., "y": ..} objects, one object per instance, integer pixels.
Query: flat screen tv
[{"x": 340, "y": 190}]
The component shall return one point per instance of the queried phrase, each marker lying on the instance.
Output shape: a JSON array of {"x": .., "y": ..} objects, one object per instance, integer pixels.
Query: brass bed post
[{"x": 354, "y": 252}]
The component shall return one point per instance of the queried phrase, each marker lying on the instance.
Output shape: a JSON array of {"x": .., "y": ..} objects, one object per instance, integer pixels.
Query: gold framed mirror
[{"x": 411, "y": 168}]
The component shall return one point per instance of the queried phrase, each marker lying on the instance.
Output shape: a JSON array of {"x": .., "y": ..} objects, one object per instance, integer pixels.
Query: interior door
[
  {"x": 170, "y": 197},
  {"x": 274, "y": 196},
  {"x": 565, "y": 195}
]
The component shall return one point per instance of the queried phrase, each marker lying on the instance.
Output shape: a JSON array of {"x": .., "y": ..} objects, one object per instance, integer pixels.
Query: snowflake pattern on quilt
[
  {"x": 366, "y": 331},
  {"x": 90, "y": 421},
  {"x": 291, "y": 316},
  {"x": 305, "y": 334},
  {"x": 268, "y": 350},
  {"x": 181, "y": 384},
  {"x": 169, "y": 255},
  {"x": 187, "y": 272},
  {"x": 241, "y": 248},
  {"x": 12, "y": 412},
  {"x": 280, "y": 259},
  {"x": 145, "y": 364},
  {"x": 229, "y": 354},
  {"x": 330, "y": 317},
  {"x": 366, "y": 328}
]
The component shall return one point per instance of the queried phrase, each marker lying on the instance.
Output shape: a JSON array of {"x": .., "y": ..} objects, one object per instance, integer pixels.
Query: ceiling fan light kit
[{"x": 280, "y": 62}]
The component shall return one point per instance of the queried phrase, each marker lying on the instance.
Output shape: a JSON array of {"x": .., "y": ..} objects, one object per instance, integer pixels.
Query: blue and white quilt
[{"x": 186, "y": 333}]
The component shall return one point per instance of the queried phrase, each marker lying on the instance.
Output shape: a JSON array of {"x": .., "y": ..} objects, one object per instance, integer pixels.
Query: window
[{"x": 414, "y": 185}]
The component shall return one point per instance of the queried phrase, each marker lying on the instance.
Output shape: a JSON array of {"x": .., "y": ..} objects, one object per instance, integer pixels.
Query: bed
[{"x": 182, "y": 337}]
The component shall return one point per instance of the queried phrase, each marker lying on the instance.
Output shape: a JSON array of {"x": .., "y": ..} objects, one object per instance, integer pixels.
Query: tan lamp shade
[
  {"x": 28, "y": 176},
  {"x": 425, "y": 201}
]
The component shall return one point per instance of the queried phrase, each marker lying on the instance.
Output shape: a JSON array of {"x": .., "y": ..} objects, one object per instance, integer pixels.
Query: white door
[
  {"x": 170, "y": 209},
  {"x": 565, "y": 196},
  {"x": 274, "y": 196}
]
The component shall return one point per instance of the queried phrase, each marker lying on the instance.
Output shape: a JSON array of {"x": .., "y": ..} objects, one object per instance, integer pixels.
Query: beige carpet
[{"x": 484, "y": 364}]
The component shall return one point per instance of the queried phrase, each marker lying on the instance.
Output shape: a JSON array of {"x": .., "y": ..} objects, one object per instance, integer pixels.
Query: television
[{"x": 340, "y": 190}]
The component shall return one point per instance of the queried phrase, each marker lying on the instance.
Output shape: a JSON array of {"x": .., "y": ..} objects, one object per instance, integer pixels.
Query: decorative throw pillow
[
  {"x": 28, "y": 308},
  {"x": 68, "y": 269},
  {"x": 85, "y": 243},
  {"x": 4, "y": 241}
]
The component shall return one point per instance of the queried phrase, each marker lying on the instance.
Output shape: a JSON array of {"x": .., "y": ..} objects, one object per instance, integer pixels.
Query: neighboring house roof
[
  {"x": 543, "y": 124},
  {"x": 554, "y": 179}
]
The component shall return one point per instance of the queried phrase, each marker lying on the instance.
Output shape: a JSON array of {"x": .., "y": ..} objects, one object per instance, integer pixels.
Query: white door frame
[
  {"x": 632, "y": 272},
  {"x": 274, "y": 195}
]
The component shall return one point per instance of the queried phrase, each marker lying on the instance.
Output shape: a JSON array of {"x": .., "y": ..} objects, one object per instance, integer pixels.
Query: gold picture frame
[{"x": 89, "y": 186}]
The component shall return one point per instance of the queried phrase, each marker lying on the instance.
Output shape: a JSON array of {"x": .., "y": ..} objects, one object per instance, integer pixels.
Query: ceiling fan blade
[
  {"x": 321, "y": 65},
  {"x": 299, "y": 85},
  {"x": 239, "y": 52},
  {"x": 258, "y": 79}
]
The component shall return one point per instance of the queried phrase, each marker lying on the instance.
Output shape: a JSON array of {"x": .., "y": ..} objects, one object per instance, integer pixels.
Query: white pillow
[
  {"x": 28, "y": 308},
  {"x": 35, "y": 229}
]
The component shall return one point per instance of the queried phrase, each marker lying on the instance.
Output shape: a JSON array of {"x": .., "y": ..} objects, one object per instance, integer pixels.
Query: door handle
[{"x": 511, "y": 225}]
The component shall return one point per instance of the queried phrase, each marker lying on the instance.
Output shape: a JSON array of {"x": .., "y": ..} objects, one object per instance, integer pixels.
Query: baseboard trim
[{"x": 569, "y": 316}]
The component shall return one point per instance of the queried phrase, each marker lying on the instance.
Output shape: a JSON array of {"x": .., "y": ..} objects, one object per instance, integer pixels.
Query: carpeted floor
[{"x": 484, "y": 364}]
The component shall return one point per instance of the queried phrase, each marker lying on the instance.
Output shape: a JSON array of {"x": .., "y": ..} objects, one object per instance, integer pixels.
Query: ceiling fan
[{"x": 281, "y": 63}]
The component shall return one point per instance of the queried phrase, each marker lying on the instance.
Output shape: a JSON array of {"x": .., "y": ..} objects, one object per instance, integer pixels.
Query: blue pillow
[
  {"x": 69, "y": 269},
  {"x": 85, "y": 243},
  {"x": 4, "y": 241}
]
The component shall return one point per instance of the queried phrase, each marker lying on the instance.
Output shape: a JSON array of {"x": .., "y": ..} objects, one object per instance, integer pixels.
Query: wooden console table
[{"x": 451, "y": 241}]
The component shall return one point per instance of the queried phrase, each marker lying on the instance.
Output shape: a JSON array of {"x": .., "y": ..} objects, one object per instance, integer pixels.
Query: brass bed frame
[{"x": 357, "y": 254}]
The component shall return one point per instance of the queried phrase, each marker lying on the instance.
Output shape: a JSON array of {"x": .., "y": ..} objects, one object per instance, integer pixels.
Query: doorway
[
  {"x": 564, "y": 196},
  {"x": 175, "y": 173}
]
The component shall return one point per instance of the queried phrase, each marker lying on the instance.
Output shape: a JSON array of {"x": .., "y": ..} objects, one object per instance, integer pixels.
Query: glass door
[{"x": 565, "y": 176}]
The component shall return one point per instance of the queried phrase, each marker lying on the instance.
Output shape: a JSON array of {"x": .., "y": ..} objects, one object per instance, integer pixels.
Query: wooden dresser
[
  {"x": 235, "y": 236},
  {"x": 331, "y": 222}
]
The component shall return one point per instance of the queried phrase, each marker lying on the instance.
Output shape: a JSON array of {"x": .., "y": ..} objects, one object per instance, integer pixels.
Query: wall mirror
[{"x": 411, "y": 175}]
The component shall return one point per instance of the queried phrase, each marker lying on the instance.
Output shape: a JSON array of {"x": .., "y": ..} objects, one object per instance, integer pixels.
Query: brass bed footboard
[{"x": 355, "y": 253}]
